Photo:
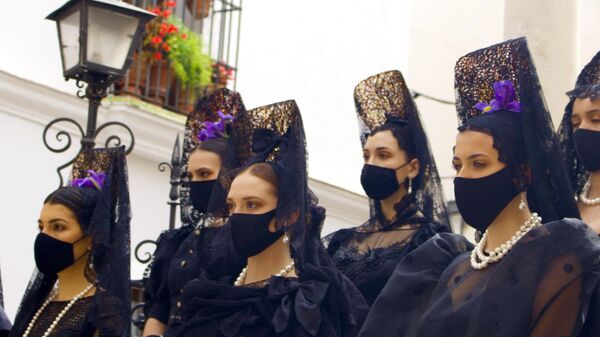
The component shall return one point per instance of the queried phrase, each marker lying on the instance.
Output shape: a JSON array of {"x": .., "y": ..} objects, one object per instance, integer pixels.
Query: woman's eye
[
  {"x": 58, "y": 228},
  {"x": 456, "y": 167},
  {"x": 478, "y": 164},
  {"x": 250, "y": 205},
  {"x": 383, "y": 156},
  {"x": 230, "y": 207}
]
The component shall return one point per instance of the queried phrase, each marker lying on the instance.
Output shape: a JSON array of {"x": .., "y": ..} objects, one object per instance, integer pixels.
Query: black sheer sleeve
[
  {"x": 157, "y": 293},
  {"x": 406, "y": 294}
]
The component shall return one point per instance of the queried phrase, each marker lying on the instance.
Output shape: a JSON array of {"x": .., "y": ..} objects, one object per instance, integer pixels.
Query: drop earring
[
  {"x": 286, "y": 238},
  {"x": 409, "y": 186},
  {"x": 522, "y": 203}
]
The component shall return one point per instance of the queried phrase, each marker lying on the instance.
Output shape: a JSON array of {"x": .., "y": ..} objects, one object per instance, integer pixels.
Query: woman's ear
[{"x": 413, "y": 168}]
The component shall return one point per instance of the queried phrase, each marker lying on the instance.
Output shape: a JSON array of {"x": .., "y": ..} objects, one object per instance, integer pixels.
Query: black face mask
[
  {"x": 250, "y": 232},
  {"x": 480, "y": 200},
  {"x": 379, "y": 182},
  {"x": 587, "y": 145},
  {"x": 200, "y": 192},
  {"x": 53, "y": 255}
]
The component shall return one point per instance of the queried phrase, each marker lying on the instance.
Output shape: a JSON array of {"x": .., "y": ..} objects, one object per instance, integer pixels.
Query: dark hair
[
  {"x": 264, "y": 171},
  {"x": 403, "y": 135},
  {"x": 216, "y": 145},
  {"x": 81, "y": 201},
  {"x": 506, "y": 131}
]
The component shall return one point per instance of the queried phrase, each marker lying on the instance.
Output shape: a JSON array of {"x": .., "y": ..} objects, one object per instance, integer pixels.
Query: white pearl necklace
[
  {"x": 584, "y": 193},
  {"x": 60, "y": 315},
  {"x": 242, "y": 278},
  {"x": 480, "y": 260}
]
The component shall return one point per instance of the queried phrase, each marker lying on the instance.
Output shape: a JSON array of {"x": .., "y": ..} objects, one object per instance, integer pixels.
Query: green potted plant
[{"x": 191, "y": 65}]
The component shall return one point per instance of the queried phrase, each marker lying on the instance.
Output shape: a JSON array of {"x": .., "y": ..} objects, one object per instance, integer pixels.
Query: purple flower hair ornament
[
  {"x": 93, "y": 180},
  {"x": 212, "y": 130},
  {"x": 504, "y": 99}
]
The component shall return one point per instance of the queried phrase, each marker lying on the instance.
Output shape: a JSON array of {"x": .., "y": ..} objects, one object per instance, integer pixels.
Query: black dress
[
  {"x": 547, "y": 285},
  {"x": 279, "y": 307},
  {"x": 182, "y": 255},
  {"x": 368, "y": 254}
]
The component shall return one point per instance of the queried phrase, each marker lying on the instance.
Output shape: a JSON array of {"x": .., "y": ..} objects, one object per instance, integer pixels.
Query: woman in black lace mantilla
[
  {"x": 202, "y": 245},
  {"x": 290, "y": 286},
  {"x": 401, "y": 180},
  {"x": 81, "y": 287}
]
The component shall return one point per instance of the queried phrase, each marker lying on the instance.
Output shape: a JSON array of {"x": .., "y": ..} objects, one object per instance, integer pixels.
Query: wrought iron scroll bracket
[{"x": 95, "y": 91}]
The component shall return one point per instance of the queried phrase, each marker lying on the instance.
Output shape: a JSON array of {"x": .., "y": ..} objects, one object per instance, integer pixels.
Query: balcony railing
[{"x": 217, "y": 23}]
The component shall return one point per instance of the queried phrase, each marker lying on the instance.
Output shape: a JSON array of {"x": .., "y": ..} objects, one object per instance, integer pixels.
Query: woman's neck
[
  {"x": 594, "y": 191},
  {"x": 506, "y": 224},
  {"x": 72, "y": 280},
  {"x": 387, "y": 205},
  {"x": 269, "y": 262}
]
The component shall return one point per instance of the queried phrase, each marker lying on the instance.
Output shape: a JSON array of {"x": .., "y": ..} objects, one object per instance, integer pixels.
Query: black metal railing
[{"x": 218, "y": 23}]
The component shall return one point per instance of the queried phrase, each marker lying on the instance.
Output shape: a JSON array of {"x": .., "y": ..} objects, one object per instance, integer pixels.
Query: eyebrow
[
  {"x": 475, "y": 155},
  {"x": 382, "y": 148},
  {"x": 587, "y": 112}
]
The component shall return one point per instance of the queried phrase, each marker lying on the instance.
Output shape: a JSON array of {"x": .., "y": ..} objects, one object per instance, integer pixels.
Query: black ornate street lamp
[{"x": 97, "y": 39}]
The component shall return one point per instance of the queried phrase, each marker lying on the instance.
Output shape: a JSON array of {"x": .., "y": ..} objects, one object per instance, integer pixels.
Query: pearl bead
[
  {"x": 584, "y": 193},
  {"x": 480, "y": 260}
]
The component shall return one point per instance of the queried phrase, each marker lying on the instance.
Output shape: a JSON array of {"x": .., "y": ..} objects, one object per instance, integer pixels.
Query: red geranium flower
[
  {"x": 184, "y": 36},
  {"x": 156, "y": 40},
  {"x": 166, "y": 13},
  {"x": 166, "y": 47},
  {"x": 155, "y": 10},
  {"x": 158, "y": 56},
  {"x": 172, "y": 28},
  {"x": 171, "y": 3}
]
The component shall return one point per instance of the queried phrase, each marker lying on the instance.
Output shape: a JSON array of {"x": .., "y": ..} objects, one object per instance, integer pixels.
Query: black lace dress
[
  {"x": 75, "y": 323},
  {"x": 547, "y": 285},
  {"x": 368, "y": 254}
]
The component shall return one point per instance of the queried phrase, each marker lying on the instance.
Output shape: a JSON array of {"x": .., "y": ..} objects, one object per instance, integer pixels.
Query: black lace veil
[
  {"x": 109, "y": 257},
  {"x": 5, "y": 325},
  {"x": 206, "y": 109},
  {"x": 549, "y": 193},
  {"x": 587, "y": 86},
  {"x": 383, "y": 98}
]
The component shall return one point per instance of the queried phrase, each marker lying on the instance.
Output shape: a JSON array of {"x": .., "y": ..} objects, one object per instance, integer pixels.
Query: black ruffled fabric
[
  {"x": 547, "y": 285},
  {"x": 285, "y": 307}
]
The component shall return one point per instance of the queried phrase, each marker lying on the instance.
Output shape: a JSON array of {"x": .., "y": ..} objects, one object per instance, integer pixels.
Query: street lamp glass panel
[
  {"x": 69, "y": 38},
  {"x": 110, "y": 36}
]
